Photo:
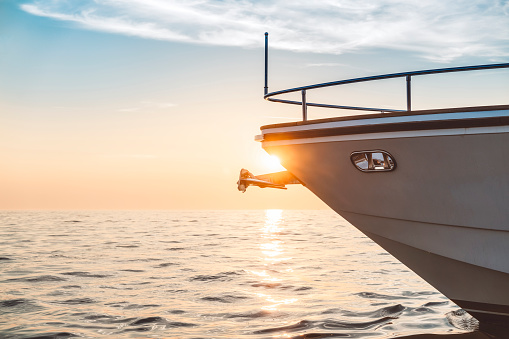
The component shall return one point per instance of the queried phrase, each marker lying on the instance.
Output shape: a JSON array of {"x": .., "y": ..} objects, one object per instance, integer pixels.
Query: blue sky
[
  {"x": 154, "y": 104},
  {"x": 437, "y": 30}
]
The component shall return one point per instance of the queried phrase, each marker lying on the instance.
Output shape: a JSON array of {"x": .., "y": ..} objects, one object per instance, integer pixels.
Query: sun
[{"x": 272, "y": 163}]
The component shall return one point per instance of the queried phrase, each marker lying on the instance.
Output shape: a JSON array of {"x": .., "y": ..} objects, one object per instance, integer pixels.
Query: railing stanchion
[
  {"x": 408, "y": 93},
  {"x": 408, "y": 75},
  {"x": 304, "y": 106},
  {"x": 266, "y": 88}
]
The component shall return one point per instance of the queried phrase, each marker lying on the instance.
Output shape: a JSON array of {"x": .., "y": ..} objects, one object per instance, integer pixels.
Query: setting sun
[{"x": 272, "y": 164}]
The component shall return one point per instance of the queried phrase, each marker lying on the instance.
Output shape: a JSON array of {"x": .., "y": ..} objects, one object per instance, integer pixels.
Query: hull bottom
[{"x": 480, "y": 291}]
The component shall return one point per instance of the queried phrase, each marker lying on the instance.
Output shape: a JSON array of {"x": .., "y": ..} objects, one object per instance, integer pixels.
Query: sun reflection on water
[
  {"x": 272, "y": 248},
  {"x": 273, "y": 218}
]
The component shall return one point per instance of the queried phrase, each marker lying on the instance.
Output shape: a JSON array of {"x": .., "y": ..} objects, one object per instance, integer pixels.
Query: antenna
[{"x": 266, "y": 88}]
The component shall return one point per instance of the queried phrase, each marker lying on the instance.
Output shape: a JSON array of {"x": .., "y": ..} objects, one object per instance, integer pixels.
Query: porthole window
[{"x": 373, "y": 161}]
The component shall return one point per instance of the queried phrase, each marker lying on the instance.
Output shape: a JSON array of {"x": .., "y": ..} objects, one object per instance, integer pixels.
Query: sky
[{"x": 154, "y": 104}]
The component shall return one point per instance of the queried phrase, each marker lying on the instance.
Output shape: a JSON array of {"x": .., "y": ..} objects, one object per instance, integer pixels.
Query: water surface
[{"x": 209, "y": 274}]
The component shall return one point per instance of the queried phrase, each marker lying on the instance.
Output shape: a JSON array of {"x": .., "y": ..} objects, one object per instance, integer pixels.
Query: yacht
[{"x": 429, "y": 186}]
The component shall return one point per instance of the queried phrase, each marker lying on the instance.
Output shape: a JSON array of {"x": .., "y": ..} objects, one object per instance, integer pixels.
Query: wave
[
  {"x": 55, "y": 335},
  {"x": 226, "y": 299},
  {"x": 40, "y": 278},
  {"x": 77, "y": 301},
  {"x": 223, "y": 276},
  {"x": 86, "y": 274},
  {"x": 156, "y": 320}
]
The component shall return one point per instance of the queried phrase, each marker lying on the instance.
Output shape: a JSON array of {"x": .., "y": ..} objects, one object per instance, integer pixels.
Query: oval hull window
[{"x": 373, "y": 161}]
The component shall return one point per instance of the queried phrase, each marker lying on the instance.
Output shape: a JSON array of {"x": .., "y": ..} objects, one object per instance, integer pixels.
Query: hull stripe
[
  {"x": 389, "y": 135},
  {"x": 389, "y": 127}
]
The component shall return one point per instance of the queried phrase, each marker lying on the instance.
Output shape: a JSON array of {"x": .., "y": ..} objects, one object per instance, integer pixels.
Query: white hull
[{"x": 443, "y": 211}]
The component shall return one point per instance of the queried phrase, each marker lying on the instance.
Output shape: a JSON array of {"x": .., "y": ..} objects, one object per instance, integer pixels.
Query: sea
[{"x": 209, "y": 274}]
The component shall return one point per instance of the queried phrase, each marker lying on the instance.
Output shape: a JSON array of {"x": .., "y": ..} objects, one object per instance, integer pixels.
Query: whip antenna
[{"x": 266, "y": 88}]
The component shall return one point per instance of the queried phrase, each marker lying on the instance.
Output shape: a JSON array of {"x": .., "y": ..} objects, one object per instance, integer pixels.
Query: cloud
[{"x": 435, "y": 29}]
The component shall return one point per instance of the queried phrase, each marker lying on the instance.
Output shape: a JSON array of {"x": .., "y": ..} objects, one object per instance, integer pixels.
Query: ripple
[
  {"x": 136, "y": 306},
  {"x": 132, "y": 270},
  {"x": 305, "y": 288},
  {"x": 267, "y": 285},
  {"x": 180, "y": 324},
  {"x": 320, "y": 335},
  {"x": 149, "y": 320},
  {"x": 372, "y": 295},
  {"x": 334, "y": 310},
  {"x": 107, "y": 319},
  {"x": 22, "y": 303},
  {"x": 160, "y": 321},
  {"x": 98, "y": 317},
  {"x": 227, "y": 299},
  {"x": 41, "y": 278},
  {"x": 177, "y": 291},
  {"x": 422, "y": 310},
  {"x": 415, "y": 294},
  {"x": 177, "y": 312},
  {"x": 224, "y": 276},
  {"x": 137, "y": 329},
  {"x": 166, "y": 264},
  {"x": 252, "y": 315},
  {"x": 14, "y": 302},
  {"x": 56, "y": 335},
  {"x": 333, "y": 324},
  {"x": 117, "y": 304},
  {"x": 20, "y": 306},
  {"x": 435, "y": 303},
  {"x": 301, "y": 325},
  {"x": 116, "y": 288},
  {"x": 389, "y": 311},
  {"x": 86, "y": 274},
  {"x": 77, "y": 301}
]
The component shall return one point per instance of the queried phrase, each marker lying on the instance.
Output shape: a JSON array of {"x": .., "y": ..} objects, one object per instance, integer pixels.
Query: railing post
[
  {"x": 304, "y": 106},
  {"x": 266, "y": 88},
  {"x": 408, "y": 93}
]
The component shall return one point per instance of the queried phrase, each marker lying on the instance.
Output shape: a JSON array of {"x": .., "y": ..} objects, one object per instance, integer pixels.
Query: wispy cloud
[{"x": 435, "y": 29}]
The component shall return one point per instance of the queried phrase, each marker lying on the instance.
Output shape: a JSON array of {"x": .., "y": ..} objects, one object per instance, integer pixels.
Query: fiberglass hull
[{"x": 443, "y": 211}]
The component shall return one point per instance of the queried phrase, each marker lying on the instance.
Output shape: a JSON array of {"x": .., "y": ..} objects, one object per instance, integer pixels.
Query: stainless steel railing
[{"x": 407, "y": 75}]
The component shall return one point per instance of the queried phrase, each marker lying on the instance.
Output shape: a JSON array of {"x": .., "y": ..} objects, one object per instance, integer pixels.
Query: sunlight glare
[
  {"x": 272, "y": 163},
  {"x": 272, "y": 220}
]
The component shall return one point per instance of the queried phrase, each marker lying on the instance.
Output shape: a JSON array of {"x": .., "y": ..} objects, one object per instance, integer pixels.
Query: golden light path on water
[{"x": 273, "y": 252}]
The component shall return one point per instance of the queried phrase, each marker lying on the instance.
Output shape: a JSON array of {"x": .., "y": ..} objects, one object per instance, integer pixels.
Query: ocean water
[{"x": 208, "y": 274}]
